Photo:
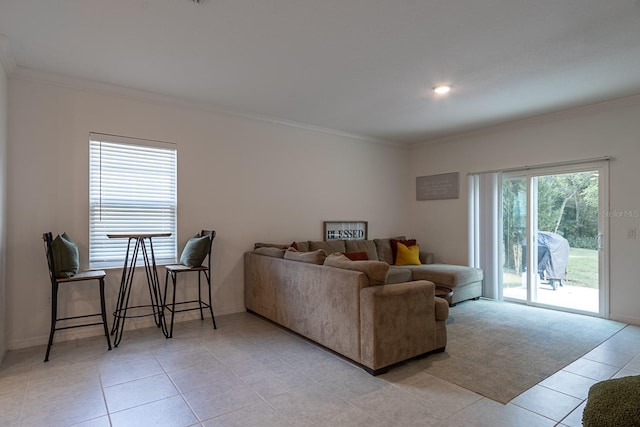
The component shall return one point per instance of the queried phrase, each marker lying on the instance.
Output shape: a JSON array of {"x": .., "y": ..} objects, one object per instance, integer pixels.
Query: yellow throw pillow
[{"x": 408, "y": 255}]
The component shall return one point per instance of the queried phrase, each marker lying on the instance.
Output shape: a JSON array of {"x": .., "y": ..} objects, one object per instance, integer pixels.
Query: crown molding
[
  {"x": 27, "y": 74},
  {"x": 565, "y": 114},
  {"x": 6, "y": 59}
]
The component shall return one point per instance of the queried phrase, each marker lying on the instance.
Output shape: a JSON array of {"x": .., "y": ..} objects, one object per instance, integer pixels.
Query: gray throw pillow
[
  {"x": 195, "y": 251},
  {"x": 65, "y": 256}
]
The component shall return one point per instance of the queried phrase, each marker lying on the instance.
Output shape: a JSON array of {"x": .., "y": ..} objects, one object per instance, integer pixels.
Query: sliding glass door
[{"x": 553, "y": 238}]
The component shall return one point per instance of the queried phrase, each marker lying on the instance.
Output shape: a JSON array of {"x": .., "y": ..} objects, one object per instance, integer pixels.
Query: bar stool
[
  {"x": 192, "y": 259},
  {"x": 58, "y": 273}
]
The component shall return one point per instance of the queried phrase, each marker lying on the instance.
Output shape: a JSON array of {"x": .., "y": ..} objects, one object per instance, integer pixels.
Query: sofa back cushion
[
  {"x": 376, "y": 271},
  {"x": 329, "y": 246},
  {"x": 383, "y": 247},
  {"x": 368, "y": 246},
  {"x": 269, "y": 251},
  {"x": 313, "y": 257},
  {"x": 269, "y": 245},
  {"x": 302, "y": 246}
]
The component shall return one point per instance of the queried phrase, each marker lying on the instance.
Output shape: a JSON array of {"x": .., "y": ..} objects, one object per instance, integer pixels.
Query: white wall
[
  {"x": 3, "y": 204},
  {"x": 249, "y": 180},
  {"x": 608, "y": 129}
]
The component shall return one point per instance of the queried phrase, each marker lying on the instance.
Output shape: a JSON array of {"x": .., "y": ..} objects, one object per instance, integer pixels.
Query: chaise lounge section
[{"x": 465, "y": 282}]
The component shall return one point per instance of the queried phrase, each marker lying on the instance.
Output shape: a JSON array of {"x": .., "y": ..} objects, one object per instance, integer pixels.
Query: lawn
[
  {"x": 582, "y": 270},
  {"x": 583, "y": 267}
]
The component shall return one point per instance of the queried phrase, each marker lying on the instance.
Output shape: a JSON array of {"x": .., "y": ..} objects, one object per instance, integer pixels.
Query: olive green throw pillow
[
  {"x": 65, "y": 256},
  {"x": 195, "y": 251}
]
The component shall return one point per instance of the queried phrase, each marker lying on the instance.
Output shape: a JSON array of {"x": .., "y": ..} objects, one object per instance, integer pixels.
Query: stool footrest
[{"x": 204, "y": 305}]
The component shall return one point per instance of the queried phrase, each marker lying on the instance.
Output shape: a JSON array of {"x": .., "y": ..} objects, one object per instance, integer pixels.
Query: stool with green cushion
[
  {"x": 614, "y": 402},
  {"x": 197, "y": 249},
  {"x": 62, "y": 260}
]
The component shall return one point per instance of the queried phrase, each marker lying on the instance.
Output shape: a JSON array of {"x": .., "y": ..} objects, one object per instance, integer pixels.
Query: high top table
[{"x": 155, "y": 309}]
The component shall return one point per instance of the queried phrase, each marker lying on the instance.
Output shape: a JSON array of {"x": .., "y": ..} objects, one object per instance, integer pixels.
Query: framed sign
[
  {"x": 437, "y": 187},
  {"x": 345, "y": 230}
]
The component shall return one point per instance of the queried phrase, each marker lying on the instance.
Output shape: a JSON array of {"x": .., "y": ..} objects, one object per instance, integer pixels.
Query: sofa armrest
[
  {"x": 426, "y": 257},
  {"x": 397, "y": 322}
]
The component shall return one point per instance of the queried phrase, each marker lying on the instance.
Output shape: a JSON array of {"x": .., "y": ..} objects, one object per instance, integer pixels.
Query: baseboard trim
[
  {"x": 625, "y": 319},
  {"x": 130, "y": 325}
]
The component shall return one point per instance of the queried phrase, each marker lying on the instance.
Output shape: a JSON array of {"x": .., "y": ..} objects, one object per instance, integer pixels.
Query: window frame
[{"x": 135, "y": 207}]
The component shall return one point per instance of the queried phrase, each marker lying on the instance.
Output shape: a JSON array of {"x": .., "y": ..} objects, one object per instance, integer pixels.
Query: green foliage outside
[{"x": 567, "y": 205}]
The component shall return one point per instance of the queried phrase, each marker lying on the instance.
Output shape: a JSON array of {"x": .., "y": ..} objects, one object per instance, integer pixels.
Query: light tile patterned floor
[{"x": 252, "y": 373}]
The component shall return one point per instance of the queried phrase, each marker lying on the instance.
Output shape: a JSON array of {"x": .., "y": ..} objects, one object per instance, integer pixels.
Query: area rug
[{"x": 500, "y": 349}]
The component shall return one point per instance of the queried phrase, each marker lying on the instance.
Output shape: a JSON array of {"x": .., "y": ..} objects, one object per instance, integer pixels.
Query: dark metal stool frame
[
  {"x": 174, "y": 270},
  {"x": 120, "y": 314},
  {"x": 98, "y": 275}
]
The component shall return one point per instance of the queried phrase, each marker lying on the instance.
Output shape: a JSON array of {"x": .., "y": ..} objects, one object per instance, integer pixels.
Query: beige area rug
[{"x": 500, "y": 349}]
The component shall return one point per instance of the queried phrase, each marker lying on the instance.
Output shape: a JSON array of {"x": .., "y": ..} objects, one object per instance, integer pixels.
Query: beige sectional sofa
[
  {"x": 367, "y": 311},
  {"x": 466, "y": 282}
]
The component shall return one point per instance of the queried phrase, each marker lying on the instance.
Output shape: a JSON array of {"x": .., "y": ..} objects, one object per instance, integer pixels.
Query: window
[{"x": 132, "y": 189}]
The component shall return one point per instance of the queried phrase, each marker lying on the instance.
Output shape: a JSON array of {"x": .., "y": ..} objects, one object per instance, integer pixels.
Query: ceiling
[{"x": 363, "y": 67}]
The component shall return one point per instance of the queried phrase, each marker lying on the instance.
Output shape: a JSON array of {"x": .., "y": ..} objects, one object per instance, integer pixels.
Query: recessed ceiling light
[{"x": 441, "y": 90}]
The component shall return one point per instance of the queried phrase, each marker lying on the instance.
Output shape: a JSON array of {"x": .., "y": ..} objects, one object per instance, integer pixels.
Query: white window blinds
[{"x": 132, "y": 189}]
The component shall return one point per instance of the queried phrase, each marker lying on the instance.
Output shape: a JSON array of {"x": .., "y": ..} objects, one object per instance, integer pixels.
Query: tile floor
[{"x": 252, "y": 373}]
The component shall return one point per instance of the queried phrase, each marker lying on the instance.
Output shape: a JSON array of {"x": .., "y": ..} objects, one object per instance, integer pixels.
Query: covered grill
[{"x": 553, "y": 257}]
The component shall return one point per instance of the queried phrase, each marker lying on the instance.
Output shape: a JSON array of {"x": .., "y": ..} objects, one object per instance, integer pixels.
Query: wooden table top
[{"x": 136, "y": 235}]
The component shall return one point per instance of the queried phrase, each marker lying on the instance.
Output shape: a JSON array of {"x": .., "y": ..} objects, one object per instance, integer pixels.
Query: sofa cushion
[
  {"x": 270, "y": 251},
  {"x": 407, "y": 255},
  {"x": 394, "y": 246},
  {"x": 329, "y": 246},
  {"x": 383, "y": 248},
  {"x": 446, "y": 274},
  {"x": 302, "y": 246},
  {"x": 398, "y": 275},
  {"x": 376, "y": 271},
  {"x": 367, "y": 246},
  {"x": 269, "y": 245},
  {"x": 313, "y": 257},
  {"x": 442, "y": 308}
]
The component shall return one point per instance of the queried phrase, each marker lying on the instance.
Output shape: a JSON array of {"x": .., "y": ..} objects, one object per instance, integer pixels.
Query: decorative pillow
[
  {"x": 195, "y": 251},
  {"x": 376, "y": 271},
  {"x": 383, "y": 248},
  {"x": 357, "y": 256},
  {"x": 65, "y": 256},
  {"x": 394, "y": 246},
  {"x": 272, "y": 252},
  {"x": 314, "y": 257},
  {"x": 408, "y": 255},
  {"x": 367, "y": 246}
]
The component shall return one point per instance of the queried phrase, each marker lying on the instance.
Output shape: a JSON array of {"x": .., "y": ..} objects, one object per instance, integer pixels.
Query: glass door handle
[{"x": 599, "y": 242}]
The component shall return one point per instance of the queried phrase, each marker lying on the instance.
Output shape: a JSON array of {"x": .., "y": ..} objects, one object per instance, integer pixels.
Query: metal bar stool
[
  {"x": 175, "y": 269},
  {"x": 98, "y": 275}
]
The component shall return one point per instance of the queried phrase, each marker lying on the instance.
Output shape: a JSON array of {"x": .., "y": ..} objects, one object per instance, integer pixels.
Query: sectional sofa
[{"x": 363, "y": 309}]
